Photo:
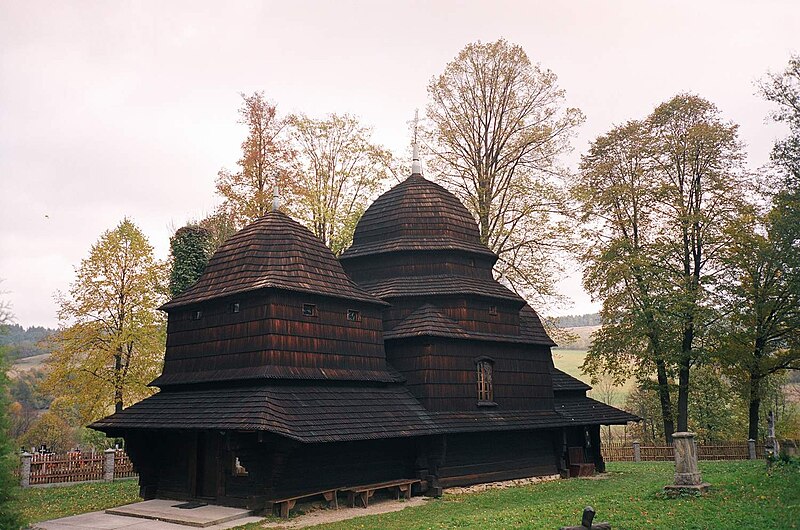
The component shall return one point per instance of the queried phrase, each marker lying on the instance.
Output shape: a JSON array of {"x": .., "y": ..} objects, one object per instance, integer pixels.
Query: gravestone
[
  {"x": 687, "y": 474},
  {"x": 586, "y": 522}
]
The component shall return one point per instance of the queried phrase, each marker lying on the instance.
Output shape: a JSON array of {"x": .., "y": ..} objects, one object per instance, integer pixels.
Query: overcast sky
[{"x": 113, "y": 109}]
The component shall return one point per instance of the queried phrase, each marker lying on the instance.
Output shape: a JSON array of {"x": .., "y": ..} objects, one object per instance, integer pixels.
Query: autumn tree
[
  {"x": 264, "y": 164},
  {"x": 696, "y": 160},
  {"x": 783, "y": 89},
  {"x": 616, "y": 194},
  {"x": 655, "y": 198},
  {"x": 110, "y": 344},
  {"x": 498, "y": 124},
  {"x": 190, "y": 249},
  {"x": 759, "y": 334},
  {"x": 339, "y": 169}
]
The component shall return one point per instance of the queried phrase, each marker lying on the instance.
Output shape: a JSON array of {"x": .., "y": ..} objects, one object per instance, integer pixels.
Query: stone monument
[{"x": 687, "y": 475}]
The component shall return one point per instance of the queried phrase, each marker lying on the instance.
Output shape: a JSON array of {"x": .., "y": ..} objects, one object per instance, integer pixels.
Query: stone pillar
[
  {"x": 108, "y": 464},
  {"x": 637, "y": 451},
  {"x": 25, "y": 470},
  {"x": 687, "y": 474},
  {"x": 772, "y": 446},
  {"x": 751, "y": 449}
]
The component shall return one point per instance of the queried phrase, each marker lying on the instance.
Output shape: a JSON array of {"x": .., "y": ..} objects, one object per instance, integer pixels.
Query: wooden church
[{"x": 403, "y": 364}]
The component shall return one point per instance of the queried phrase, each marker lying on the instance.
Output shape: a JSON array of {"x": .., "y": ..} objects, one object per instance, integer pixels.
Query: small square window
[
  {"x": 353, "y": 315},
  {"x": 493, "y": 310},
  {"x": 235, "y": 307},
  {"x": 197, "y": 315},
  {"x": 309, "y": 310}
]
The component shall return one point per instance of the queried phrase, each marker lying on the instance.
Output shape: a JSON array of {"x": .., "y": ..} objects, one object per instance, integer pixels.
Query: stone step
[{"x": 166, "y": 510}]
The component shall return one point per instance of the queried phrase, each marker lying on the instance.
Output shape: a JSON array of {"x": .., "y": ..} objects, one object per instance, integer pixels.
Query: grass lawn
[
  {"x": 742, "y": 496},
  {"x": 630, "y": 496},
  {"x": 41, "y": 504}
]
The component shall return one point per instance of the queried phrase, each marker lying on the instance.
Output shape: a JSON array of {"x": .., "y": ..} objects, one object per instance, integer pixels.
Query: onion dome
[
  {"x": 277, "y": 252},
  {"x": 417, "y": 214}
]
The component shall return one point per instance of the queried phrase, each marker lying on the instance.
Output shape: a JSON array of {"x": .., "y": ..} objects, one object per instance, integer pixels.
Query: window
[
  {"x": 309, "y": 310},
  {"x": 235, "y": 307},
  {"x": 353, "y": 315},
  {"x": 471, "y": 262},
  {"x": 493, "y": 310},
  {"x": 197, "y": 315},
  {"x": 485, "y": 392}
]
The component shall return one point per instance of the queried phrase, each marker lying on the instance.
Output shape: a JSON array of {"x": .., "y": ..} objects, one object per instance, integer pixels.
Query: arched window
[{"x": 484, "y": 370}]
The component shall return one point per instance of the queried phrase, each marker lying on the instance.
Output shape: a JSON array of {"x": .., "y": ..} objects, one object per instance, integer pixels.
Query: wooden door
[{"x": 208, "y": 461}]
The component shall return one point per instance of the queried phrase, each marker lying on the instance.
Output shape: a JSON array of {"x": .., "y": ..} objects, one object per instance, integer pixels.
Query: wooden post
[
  {"x": 637, "y": 451},
  {"x": 25, "y": 470},
  {"x": 108, "y": 464},
  {"x": 751, "y": 449}
]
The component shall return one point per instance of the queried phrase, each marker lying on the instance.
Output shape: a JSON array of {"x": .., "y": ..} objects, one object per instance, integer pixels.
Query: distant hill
[
  {"x": 576, "y": 321},
  {"x": 25, "y": 342}
]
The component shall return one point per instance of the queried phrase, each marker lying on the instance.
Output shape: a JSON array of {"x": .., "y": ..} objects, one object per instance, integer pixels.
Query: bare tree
[
  {"x": 498, "y": 125},
  {"x": 265, "y": 162}
]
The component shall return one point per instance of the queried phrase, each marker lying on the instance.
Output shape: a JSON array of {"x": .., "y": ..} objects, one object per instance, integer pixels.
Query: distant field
[
  {"x": 28, "y": 363},
  {"x": 583, "y": 337},
  {"x": 569, "y": 361}
]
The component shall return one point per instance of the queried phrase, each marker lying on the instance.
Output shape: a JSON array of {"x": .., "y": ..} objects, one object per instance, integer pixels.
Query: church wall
[
  {"x": 272, "y": 330},
  {"x": 419, "y": 263},
  {"x": 472, "y": 458},
  {"x": 441, "y": 373}
]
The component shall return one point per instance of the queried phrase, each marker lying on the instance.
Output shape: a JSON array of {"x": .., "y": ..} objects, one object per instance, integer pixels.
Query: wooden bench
[
  {"x": 362, "y": 494},
  {"x": 577, "y": 466},
  {"x": 285, "y": 504}
]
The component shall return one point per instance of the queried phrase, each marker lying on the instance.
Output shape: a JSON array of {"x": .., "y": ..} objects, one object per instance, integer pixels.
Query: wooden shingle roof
[
  {"x": 417, "y": 214},
  {"x": 440, "y": 284},
  {"x": 277, "y": 372},
  {"x": 564, "y": 382},
  {"x": 338, "y": 413},
  {"x": 587, "y": 411},
  {"x": 530, "y": 327},
  {"x": 428, "y": 320},
  {"x": 304, "y": 413},
  {"x": 274, "y": 251}
]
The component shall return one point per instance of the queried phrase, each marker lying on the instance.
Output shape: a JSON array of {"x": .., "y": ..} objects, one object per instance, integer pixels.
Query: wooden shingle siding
[
  {"x": 426, "y": 263},
  {"x": 271, "y": 330},
  {"x": 441, "y": 372}
]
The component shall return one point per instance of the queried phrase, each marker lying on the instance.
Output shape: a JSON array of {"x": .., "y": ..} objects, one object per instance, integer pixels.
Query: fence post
[
  {"x": 637, "y": 451},
  {"x": 751, "y": 449},
  {"x": 108, "y": 464},
  {"x": 25, "y": 469}
]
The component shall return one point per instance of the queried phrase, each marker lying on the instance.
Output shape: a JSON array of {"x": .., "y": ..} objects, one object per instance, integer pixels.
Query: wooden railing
[
  {"x": 736, "y": 450},
  {"x": 123, "y": 467},
  {"x": 70, "y": 467},
  {"x": 41, "y": 469}
]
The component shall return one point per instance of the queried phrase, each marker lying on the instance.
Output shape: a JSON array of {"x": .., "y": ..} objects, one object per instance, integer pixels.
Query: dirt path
[{"x": 343, "y": 513}]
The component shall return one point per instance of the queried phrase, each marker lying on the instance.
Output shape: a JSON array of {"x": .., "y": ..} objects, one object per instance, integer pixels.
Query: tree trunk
[
  {"x": 666, "y": 402},
  {"x": 755, "y": 405},
  {"x": 683, "y": 394},
  {"x": 118, "y": 382},
  {"x": 683, "y": 375}
]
